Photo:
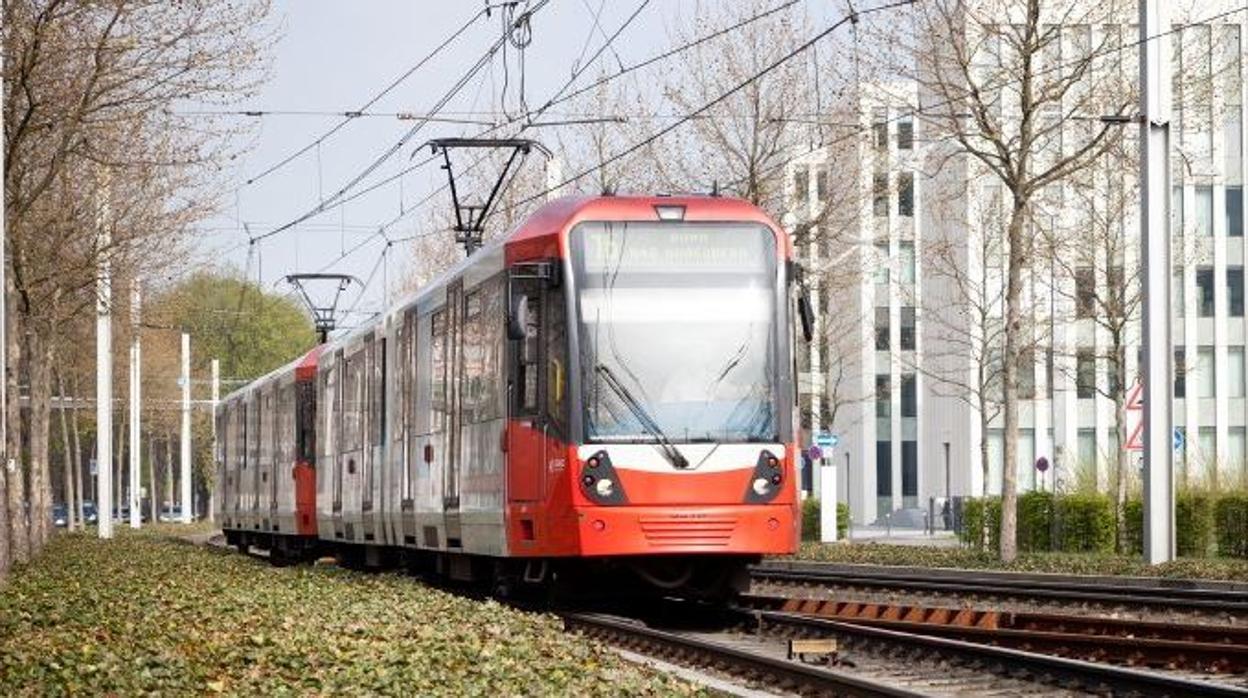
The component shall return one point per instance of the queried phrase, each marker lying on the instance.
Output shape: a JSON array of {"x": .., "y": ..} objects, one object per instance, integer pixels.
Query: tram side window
[
  {"x": 305, "y": 416},
  {"x": 253, "y": 432},
  {"x": 437, "y": 402},
  {"x": 353, "y": 401},
  {"x": 377, "y": 397},
  {"x": 528, "y": 350},
  {"x": 556, "y": 340},
  {"x": 266, "y": 427},
  {"x": 239, "y": 413},
  {"x": 286, "y": 422},
  {"x": 483, "y": 340}
]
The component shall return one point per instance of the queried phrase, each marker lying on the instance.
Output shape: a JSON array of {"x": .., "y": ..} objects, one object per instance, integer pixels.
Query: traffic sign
[
  {"x": 1042, "y": 464},
  {"x": 814, "y": 453},
  {"x": 826, "y": 439}
]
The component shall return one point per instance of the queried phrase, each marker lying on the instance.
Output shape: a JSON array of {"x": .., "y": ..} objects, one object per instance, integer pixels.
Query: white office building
[{"x": 894, "y": 373}]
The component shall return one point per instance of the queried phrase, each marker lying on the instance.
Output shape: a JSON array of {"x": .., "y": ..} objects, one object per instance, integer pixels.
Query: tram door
[{"x": 454, "y": 450}]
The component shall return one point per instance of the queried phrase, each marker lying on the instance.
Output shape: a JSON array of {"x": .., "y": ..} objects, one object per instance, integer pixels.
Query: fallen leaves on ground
[{"x": 146, "y": 614}]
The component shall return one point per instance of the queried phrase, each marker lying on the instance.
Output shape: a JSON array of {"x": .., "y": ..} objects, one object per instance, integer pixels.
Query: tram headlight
[
  {"x": 604, "y": 488},
  {"x": 762, "y": 487}
]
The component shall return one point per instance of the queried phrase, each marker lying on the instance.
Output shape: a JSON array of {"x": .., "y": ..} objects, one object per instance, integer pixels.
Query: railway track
[
  {"x": 1196, "y": 647},
  {"x": 1114, "y": 594},
  {"x": 877, "y": 661}
]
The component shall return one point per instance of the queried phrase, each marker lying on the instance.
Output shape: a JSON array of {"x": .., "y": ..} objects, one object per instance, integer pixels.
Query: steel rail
[
  {"x": 1219, "y": 599},
  {"x": 1090, "y": 675},
  {"x": 803, "y": 678}
]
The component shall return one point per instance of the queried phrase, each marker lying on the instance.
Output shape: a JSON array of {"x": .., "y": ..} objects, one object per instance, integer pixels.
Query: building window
[
  {"x": 881, "y": 329},
  {"x": 884, "y": 474},
  {"x": 905, "y": 255},
  {"x": 905, "y": 194},
  {"x": 1235, "y": 371},
  {"x": 907, "y": 328},
  {"x": 909, "y": 396},
  {"x": 1180, "y": 372},
  {"x": 1235, "y": 212},
  {"x": 1237, "y": 441},
  {"x": 801, "y": 185},
  {"x": 879, "y": 199},
  {"x": 1085, "y": 374},
  {"x": 1206, "y": 373},
  {"x": 910, "y": 474},
  {"x": 881, "y": 262},
  {"x": 905, "y": 133},
  {"x": 1176, "y": 286},
  {"x": 1048, "y": 373},
  {"x": 1235, "y": 291},
  {"x": 1204, "y": 211},
  {"x": 1204, "y": 291},
  {"x": 879, "y": 127},
  {"x": 1087, "y": 448},
  {"x": 1026, "y": 374},
  {"x": 883, "y": 396},
  {"x": 1208, "y": 444},
  {"x": 821, "y": 184},
  {"x": 1085, "y": 292}
]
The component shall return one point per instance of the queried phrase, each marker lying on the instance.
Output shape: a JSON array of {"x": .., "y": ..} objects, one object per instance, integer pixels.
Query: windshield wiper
[{"x": 651, "y": 427}]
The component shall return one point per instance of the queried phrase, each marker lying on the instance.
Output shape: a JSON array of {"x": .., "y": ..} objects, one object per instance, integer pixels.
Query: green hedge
[
  {"x": 810, "y": 519},
  {"x": 981, "y": 523},
  {"x": 1206, "y": 525},
  {"x": 1086, "y": 523},
  {"x": 1133, "y": 527},
  {"x": 1231, "y": 523},
  {"x": 1194, "y": 534},
  {"x": 1035, "y": 522}
]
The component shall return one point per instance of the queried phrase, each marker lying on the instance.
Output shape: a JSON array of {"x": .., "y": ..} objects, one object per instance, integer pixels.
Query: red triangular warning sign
[
  {"x": 1135, "y": 442},
  {"x": 1135, "y": 399}
]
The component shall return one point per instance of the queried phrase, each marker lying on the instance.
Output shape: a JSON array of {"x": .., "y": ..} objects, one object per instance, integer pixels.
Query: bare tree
[
  {"x": 91, "y": 127},
  {"x": 1013, "y": 91}
]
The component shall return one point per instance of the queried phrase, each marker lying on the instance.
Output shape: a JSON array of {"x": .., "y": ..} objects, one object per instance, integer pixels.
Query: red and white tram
[{"x": 608, "y": 386}]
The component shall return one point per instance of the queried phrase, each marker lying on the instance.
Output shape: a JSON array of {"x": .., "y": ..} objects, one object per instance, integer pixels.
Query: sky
[{"x": 334, "y": 56}]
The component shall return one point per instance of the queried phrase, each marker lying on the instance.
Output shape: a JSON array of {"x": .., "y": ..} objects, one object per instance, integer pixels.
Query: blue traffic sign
[
  {"x": 1178, "y": 439},
  {"x": 825, "y": 439}
]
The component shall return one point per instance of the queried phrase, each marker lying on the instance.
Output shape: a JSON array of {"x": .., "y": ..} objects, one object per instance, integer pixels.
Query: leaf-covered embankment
[{"x": 148, "y": 614}]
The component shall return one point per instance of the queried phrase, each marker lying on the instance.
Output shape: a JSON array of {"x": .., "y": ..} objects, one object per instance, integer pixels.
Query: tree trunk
[
  {"x": 151, "y": 478},
  {"x": 78, "y": 481},
  {"x": 1013, "y": 313},
  {"x": 39, "y": 355},
  {"x": 19, "y": 540},
  {"x": 70, "y": 495},
  {"x": 1120, "y": 476},
  {"x": 119, "y": 464}
]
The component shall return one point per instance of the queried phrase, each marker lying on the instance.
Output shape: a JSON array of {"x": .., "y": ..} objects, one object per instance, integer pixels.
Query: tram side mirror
[
  {"x": 516, "y": 315},
  {"x": 806, "y": 315}
]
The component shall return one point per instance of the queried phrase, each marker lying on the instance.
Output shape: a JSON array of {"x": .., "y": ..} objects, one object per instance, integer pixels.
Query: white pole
[
  {"x": 186, "y": 427},
  {"x": 136, "y": 379},
  {"x": 1155, "y": 79},
  {"x": 104, "y": 369},
  {"x": 827, "y": 500},
  {"x": 216, "y": 398}
]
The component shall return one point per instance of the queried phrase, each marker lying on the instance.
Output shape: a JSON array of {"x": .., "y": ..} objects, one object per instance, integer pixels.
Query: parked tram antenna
[
  {"x": 470, "y": 217},
  {"x": 324, "y": 315}
]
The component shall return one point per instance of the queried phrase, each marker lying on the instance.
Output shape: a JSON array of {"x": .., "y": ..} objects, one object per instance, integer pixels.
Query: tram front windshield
[{"x": 678, "y": 331}]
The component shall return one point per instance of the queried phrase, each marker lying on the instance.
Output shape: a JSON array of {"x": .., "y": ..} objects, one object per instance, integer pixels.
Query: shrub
[
  {"x": 1087, "y": 523},
  {"x": 981, "y": 523},
  {"x": 810, "y": 519},
  {"x": 1230, "y": 515},
  {"x": 1193, "y": 524},
  {"x": 1133, "y": 527},
  {"x": 1035, "y": 522}
]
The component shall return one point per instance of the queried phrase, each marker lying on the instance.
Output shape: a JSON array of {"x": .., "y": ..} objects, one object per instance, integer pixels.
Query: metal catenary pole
[
  {"x": 186, "y": 428},
  {"x": 104, "y": 368},
  {"x": 136, "y": 379},
  {"x": 216, "y": 398},
  {"x": 1155, "y": 79}
]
